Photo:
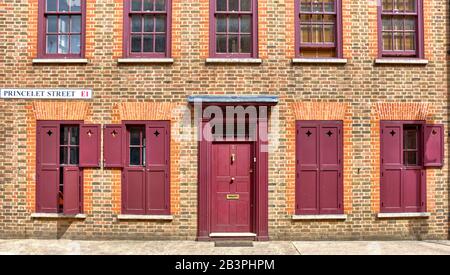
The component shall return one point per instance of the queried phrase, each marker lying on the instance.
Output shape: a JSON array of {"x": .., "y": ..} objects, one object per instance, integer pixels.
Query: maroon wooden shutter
[
  {"x": 133, "y": 190},
  {"x": 433, "y": 145},
  {"x": 330, "y": 178},
  {"x": 391, "y": 166},
  {"x": 71, "y": 190},
  {"x": 307, "y": 174},
  {"x": 47, "y": 167},
  {"x": 89, "y": 145},
  {"x": 157, "y": 183},
  {"x": 113, "y": 146}
]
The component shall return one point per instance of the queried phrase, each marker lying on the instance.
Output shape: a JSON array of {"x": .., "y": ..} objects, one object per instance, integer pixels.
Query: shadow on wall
[
  {"x": 419, "y": 229},
  {"x": 61, "y": 228}
]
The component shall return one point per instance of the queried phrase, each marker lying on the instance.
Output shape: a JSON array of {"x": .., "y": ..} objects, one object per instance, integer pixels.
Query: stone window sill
[
  {"x": 403, "y": 215},
  {"x": 145, "y": 60},
  {"x": 57, "y": 216},
  {"x": 60, "y": 61},
  {"x": 233, "y": 61},
  {"x": 401, "y": 61},
  {"x": 319, "y": 217},
  {"x": 146, "y": 217},
  {"x": 337, "y": 61}
]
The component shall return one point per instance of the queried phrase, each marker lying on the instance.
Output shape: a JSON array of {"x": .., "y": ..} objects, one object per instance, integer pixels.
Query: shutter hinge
[
  {"x": 296, "y": 206},
  {"x": 297, "y": 132},
  {"x": 382, "y": 204},
  {"x": 339, "y": 174},
  {"x": 297, "y": 175},
  {"x": 382, "y": 174},
  {"x": 339, "y": 205}
]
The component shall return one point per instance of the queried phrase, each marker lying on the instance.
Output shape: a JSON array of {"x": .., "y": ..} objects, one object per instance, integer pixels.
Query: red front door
[{"x": 231, "y": 187}]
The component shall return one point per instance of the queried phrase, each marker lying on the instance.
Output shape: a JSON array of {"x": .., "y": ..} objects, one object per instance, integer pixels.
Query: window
[
  {"x": 61, "y": 28},
  {"x": 318, "y": 28},
  {"x": 147, "y": 28},
  {"x": 137, "y": 146},
  {"x": 233, "y": 28},
  {"x": 401, "y": 27}
]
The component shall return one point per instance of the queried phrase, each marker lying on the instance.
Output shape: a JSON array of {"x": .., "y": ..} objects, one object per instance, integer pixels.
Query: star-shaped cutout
[
  {"x": 89, "y": 133},
  {"x": 330, "y": 133},
  {"x": 434, "y": 132},
  {"x": 49, "y": 133},
  {"x": 114, "y": 133},
  {"x": 392, "y": 133},
  {"x": 156, "y": 133},
  {"x": 308, "y": 133}
]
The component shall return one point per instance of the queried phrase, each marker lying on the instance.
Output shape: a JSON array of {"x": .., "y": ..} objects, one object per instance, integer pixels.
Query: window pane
[
  {"x": 387, "y": 41},
  {"x": 410, "y": 139},
  {"x": 317, "y": 6},
  {"x": 63, "y": 5},
  {"x": 329, "y": 33},
  {"x": 51, "y": 43},
  {"x": 399, "y": 5},
  {"x": 246, "y": 24},
  {"x": 246, "y": 5},
  {"x": 75, "y": 5},
  {"x": 233, "y": 44},
  {"x": 410, "y": 5},
  {"x": 233, "y": 5},
  {"x": 51, "y": 5},
  {"x": 63, "y": 44},
  {"x": 387, "y": 5},
  {"x": 64, "y": 24},
  {"x": 76, "y": 23},
  {"x": 328, "y": 5},
  {"x": 135, "y": 136},
  {"x": 397, "y": 23},
  {"x": 64, "y": 136},
  {"x": 410, "y": 42},
  {"x": 136, "y": 5},
  {"x": 398, "y": 41},
  {"x": 221, "y": 24},
  {"x": 160, "y": 43},
  {"x": 73, "y": 155},
  {"x": 160, "y": 5},
  {"x": 149, "y": 23},
  {"x": 246, "y": 43},
  {"x": 148, "y": 5},
  {"x": 221, "y": 43},
  {"x": 52, "y": 24},
  {"x": 410, "y": 24},
  {"x": 134, "y": 156},
  {"x": 410, "y": 158},
  {"x": 387, "y": 24},
  {"x": 305, "y": 34},
  {"x": 136, "y": 23},
  {"x": 135, "y": 43},
  {"x": 221, "y": 5},
  {"x": 75, "y": 44},
  {"x": 160, "y": 23},
  {"x": 148, "y": 43},
  {"x": 63, "y": 155},
  {"x": 74, "y": 136},
  {"x": 329, "y": 18},
  {"x": 317, "y": 34},
  {"x": 233, "y": 23},
  {"x": 305, "y": 5},
  {"x": 305, "y": 18}
]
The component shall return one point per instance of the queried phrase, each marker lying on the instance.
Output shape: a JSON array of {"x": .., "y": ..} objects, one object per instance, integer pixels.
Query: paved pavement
[{"x": 68, "y": 247}]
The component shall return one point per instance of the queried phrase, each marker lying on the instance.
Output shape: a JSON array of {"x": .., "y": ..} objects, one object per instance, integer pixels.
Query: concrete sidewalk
[{"x": 69, "y": 247}]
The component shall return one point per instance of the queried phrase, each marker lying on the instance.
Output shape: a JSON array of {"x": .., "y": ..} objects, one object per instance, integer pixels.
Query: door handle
[
  {"x": 233, "y": 158},
  {"x": 232, "y": 180}
]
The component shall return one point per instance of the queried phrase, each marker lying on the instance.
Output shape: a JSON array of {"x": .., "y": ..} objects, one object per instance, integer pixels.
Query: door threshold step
[
  {"x": 233, "y": 244},
  {"x": 232, "y": 234}
]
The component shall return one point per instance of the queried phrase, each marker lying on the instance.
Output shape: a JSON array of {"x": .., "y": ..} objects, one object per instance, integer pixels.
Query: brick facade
[{"x": 359, "y": 93}]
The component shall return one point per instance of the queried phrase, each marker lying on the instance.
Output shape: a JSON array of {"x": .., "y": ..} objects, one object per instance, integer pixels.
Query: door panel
[
  {"x": 329, "y": 146},
  {"x": 307, "y": 194},
  {"x": 412, "y": 189},
  {"x": 156, "y": 191},
  {"x": 329, "y": 190},
  {"x": 391, "y": 191},
  {"x": 71, "y": 190},
  {"x": 134, "y": 191}
]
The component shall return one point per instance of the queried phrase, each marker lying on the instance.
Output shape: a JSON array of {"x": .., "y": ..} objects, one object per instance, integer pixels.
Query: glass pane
[
  {"x": 136, "y": 5},
  {"x": 246, "y": 5},
  {"x": 64, "y": 136},
  {"x": 246, "y": 43},
  {"x": 410, "y": 24},
  {"x": 233, "y": 23},
  {"x": 75, "y": 5},
  {"x": 135, "y": 43},
  {"x": 328, "y": 5},
  {"x": 148, "y": 5},
  {"x": 399, "y": 5},
  {"x": 410, "y": 41},
  {"x": 160, "y": 5},
  {"x": 305, "y": 18},
  {"x": 305, "y": 5},
  {"x": 233, "y": 5},
  {"x": 410, "y": 158},
  {"x": 148, "y": 43},
  {"x": 52, "y": 24},
  {"x": 134, "y": 156},
  {"x": 387, "y": 24},
  {"x": 75, "y": 44},
  {"x": 73, "y": 155},
  {"x": 317, "y": 34},
  {"x": 52, "y": 43},
  {"x": 221, "y": 24},
  {"x": 135, "y": 136},
  {"x": 233, "y": 44},
  {"x": 221, "y": 5},
  {"x": 63, "y": 5},
  {"x": 51, "y": 5},
  {"x": 246, "y": 24},
  {"x": 221, "y": 43},
  {"x": 398, "y": 41},
  {"x": 387, "y": 5},
  {"x": 305, "y": 34},
  {"x": 329, "y": 18},
  {"x": 328, "y": 33},
  {"x": 136, "y": 23},
  {"x": 149, "y": 23},
  {"x": 387, "y": 41},
  {"x": 63, "y": 44},
  {"x": 63, "y": 155},
  {"x": 76, "y": 24},
  {"x": 160, "y": 43},
  {"x": 64, "y": 24},
  {"x": 317, "y": 6},
  {"x": 160, "y": 23},
  {"x": 410, "y": 139},
  {"x": 397, "y": 23},
  {"x": 410, "y": 5},
  {"x": 74, "y": 136}
]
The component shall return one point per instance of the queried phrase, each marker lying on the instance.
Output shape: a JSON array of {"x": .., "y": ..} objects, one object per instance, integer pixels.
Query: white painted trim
[
  {"x": 404, "y": 215},
  {"x": 401, "y": 61},
  {"x": 145, "y": 217},
  {"x": 319, "y": 61},
  {"x": 60, "y": 61},
  {"x": 57, "y": 216},
  {"x": 319, "y": 217},
  {"x": 234, "y": 60},
  {"x": 237, "y": 234},
  {"x": 145, "y": 60}
]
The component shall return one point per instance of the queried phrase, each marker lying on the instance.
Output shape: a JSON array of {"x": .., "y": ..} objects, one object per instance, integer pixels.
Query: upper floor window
[
  {"x": 401, "y": 27},
  {"x": 147, "y": 28},
  {"x": 233, "y": 28},
  {"x": 61, "y": 28},
  {"x": 318, "y": 28}
]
